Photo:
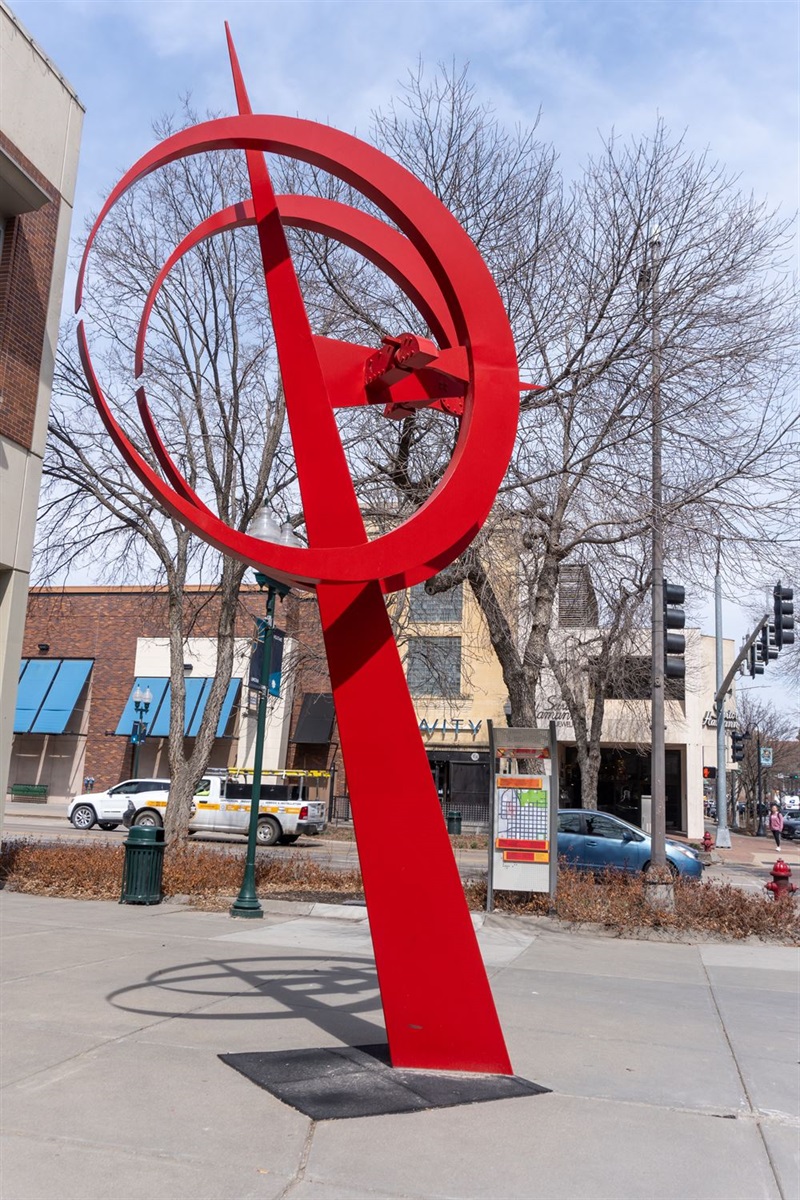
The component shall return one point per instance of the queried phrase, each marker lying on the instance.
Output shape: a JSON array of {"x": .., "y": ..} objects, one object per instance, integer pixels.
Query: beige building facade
[
  {"x": 690, "y": 742},
  {"x": 457, "y": 687},
  {"x": 40, "y": 130}
]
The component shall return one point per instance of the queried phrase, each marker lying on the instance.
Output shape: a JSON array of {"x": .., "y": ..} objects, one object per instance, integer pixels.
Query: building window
[
  {"x": 434, "y": 666},
  {"x": 577, "y": 602},
  {"x": 632, "y": 680},
  {"x": 442, "y": 607}
]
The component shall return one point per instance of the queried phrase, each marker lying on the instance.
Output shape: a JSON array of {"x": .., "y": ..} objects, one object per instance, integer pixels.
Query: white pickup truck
[{"x": 222, "y": 805}]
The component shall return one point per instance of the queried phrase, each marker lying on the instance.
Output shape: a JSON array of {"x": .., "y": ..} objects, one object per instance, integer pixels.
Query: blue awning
[
  {"x": 157, "y": 716},
  {"x": 48, "y": 692}
]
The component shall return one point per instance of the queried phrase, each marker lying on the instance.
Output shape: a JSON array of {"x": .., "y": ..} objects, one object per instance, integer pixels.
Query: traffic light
[
  {"x": 767, "y": 648},
  {"x": 674, "y": 643},
  {"x": 755, "y": 666},
  {"x": 138, "y": 733},
  {"x": 709, "y": 772},
  {"x": 737, "y": 746},
  {"x": 783, "y": 608}
]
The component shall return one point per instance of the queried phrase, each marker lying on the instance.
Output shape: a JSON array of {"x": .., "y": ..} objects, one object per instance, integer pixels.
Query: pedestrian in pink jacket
[{"x": 776, "y": 824}]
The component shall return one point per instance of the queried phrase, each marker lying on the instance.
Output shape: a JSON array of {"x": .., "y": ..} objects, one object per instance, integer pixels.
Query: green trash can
[
  {"x": 144, "y": 865},
  {"x": 454, "y": 822}
]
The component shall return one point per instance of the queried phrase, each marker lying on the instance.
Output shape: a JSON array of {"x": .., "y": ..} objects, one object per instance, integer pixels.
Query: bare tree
[
  {"x": 212, "y": 389},
  {"x": 764, "y": 726},
  {"x": 571, "y": 264},
  {"x": 594, "y": 648}
]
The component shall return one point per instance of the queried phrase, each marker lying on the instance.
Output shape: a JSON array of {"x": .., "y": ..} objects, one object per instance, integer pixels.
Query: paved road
[
  {"x": 327, "y": 852},
  {"x": 746, "y": 865}
]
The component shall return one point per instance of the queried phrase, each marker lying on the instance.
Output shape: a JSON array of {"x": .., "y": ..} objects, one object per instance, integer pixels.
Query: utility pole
[
  {"x": 658, "y": 856},
  {"x": 723, "y": 841},
  {"x": 760, "y": 831}
]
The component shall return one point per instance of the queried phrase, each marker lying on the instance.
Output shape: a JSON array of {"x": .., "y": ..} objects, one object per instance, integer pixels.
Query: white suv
[{"x": 106, "y": 809}]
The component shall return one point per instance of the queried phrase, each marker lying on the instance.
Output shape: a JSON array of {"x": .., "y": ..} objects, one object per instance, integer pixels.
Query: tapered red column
[{"x": 437, "y": 1002}]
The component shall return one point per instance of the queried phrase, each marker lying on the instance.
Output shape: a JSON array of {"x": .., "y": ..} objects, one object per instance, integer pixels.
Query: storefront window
[{"x": 623, "y": 778}]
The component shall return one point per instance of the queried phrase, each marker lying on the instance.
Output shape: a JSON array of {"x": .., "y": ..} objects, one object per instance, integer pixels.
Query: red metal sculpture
[{"x": 437, "y": 1003}]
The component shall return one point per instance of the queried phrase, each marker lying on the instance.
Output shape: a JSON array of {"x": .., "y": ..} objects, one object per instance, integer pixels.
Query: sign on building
[{"x": 523, "y": 852}]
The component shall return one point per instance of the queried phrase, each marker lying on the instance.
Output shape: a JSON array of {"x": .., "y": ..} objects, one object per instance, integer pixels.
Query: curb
[
  {"x": 354, "y": 911},
  {"x": 45, "y": 811}
]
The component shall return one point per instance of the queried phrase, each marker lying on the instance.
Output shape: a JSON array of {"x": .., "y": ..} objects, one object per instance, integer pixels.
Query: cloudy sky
[{"x": 724, "y": 72}]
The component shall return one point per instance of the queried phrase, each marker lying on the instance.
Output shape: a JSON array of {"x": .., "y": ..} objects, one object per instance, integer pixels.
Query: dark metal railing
[{"x": 472, "y": 812}]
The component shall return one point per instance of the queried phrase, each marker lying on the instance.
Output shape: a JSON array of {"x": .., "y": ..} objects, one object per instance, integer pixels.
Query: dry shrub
[
  {"x": 728, "y": 911},
  {"x": 203, "y": 874},
  {"x": 61, "y": 869},
  {"x": 617, "y": 902},
  {"x": 209, "y": 877}
]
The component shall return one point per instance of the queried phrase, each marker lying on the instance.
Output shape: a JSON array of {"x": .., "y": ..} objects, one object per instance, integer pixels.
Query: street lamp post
[
  {"x": 760, "y": 831},
  {"x": 264, "y": 526},
  {"x": 723, "y": 839},
  {"x": 658, "y": 858},
  {"x": 141, "y": 704}
]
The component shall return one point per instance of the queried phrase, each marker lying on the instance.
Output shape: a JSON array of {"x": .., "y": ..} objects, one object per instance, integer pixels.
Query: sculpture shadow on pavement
[{"x": 354, "y": 1078}]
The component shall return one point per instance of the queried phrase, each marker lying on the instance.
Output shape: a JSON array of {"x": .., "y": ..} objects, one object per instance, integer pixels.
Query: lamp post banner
[
  {"x": 437, "y": 1003},
  {"x": 275, "y": 659}
]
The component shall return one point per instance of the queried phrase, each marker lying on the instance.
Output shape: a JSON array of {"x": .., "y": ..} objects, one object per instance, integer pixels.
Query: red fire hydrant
[
  {"x": 708, "y": 841},
  {"x": 780, "y": 887}
]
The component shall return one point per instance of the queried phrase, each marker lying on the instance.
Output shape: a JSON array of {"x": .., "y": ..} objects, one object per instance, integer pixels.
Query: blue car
[
  {"x": 791, "y": 825},
  {"x": 595, "y": 841}
]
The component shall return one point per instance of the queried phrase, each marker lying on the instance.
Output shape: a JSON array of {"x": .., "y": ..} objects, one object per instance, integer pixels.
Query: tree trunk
[
  {"x": 185, "y": 772},
  {"x": 589, "y": 762}
]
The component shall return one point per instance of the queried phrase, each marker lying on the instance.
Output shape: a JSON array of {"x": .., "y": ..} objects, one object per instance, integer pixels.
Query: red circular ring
[{"x": 452, "y": 515}]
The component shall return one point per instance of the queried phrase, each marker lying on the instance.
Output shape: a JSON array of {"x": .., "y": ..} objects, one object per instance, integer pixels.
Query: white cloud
[{"x": 726, "y": 71}]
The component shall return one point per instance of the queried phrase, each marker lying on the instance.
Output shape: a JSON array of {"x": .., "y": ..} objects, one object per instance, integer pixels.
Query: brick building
[
  {"x": 87, "y": 648},
  {"x": 40, "y": 127}
]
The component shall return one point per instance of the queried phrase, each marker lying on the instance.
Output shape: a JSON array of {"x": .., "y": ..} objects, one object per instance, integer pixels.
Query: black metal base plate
[{"x": 358, "y": 1081}]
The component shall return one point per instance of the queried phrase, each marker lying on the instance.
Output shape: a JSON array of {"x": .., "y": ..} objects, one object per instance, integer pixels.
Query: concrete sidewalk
[
  {"x": 749, "y": 861},
  {"x": 672, "y": 1067}
]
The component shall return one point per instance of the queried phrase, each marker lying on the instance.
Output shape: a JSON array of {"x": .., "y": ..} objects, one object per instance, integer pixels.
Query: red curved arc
[
  {"x": 192, "y": 513},
  {"x": 227, "y": 218},
  {"x": 380, "y": 243},
  {"x": 387, "y": 249},
  {"x": 241, "y": 132},
  {"x": 447, "y": 521},
  {"x": 330, "y": 149},
  {"x": 392, "y": 252},
  {"x": 286, "y": 564},
  {"x": 365, "y": 168}
]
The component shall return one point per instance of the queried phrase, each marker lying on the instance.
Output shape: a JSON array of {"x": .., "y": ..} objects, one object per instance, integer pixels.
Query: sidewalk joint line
[{"x": 754, "y": 1111}]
